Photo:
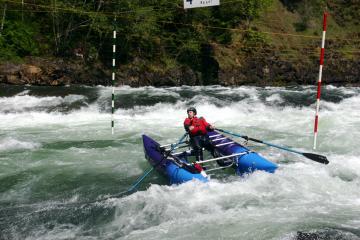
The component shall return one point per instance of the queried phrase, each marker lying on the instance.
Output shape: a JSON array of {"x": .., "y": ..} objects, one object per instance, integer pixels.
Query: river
[{"x": 60, "y": 167}]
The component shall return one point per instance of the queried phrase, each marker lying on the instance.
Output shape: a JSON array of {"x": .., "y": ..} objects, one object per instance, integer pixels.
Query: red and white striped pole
[{"x": 322, "y": 52}]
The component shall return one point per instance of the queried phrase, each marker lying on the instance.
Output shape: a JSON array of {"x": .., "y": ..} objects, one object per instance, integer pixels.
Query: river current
[{"x": 60, "y": 166}]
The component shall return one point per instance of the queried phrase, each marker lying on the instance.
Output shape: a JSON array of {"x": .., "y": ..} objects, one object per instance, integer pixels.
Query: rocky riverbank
[
  {"x": 268, "y": 71},
  {"x": 52, "y": 72}
]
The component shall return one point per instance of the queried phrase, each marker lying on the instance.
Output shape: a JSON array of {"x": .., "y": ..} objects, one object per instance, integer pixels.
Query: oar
[
  {"x": 312, "y": 156},
  {"x": 141, "y": 178}
]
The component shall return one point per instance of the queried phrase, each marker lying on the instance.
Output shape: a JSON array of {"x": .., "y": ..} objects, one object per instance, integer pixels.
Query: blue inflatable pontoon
[{"x": 228, "y": 153}]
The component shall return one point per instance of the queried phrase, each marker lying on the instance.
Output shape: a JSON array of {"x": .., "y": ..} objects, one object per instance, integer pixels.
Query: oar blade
[{"x": 316, "y": 157}]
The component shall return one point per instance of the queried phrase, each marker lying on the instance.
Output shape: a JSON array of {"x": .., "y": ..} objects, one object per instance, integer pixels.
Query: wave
[
  {"x": 67, "y": 99},
  {"x": 10, "y": 144},
  {"x": 258, "y": 112},
  {"x": 26, "y": 103},
  {"x": 257, "y": 200}
]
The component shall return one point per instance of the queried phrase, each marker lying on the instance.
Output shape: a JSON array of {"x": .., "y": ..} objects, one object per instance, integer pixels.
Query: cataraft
[{"x": 227, "y": 153}]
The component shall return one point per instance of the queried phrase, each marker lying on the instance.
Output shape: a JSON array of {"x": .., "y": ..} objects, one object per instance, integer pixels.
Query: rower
[{"x": 197, "y": 129}]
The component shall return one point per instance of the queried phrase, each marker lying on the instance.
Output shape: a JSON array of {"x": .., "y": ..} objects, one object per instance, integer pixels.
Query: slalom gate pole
[
  {"x": 113, "y": 79},
  {"x": 322, "y": 53}
]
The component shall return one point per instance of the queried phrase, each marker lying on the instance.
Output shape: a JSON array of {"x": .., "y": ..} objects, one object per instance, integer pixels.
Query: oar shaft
[
  {"x": 312, "y": 156},
  {"x": 281, "y": 147},
  {"x": 259, "y": 141},
  {"x": 141, "y": 178}
]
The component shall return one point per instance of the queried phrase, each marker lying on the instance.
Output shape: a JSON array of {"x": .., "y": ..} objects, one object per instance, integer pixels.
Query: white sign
[{"x": 200, "y": 3}]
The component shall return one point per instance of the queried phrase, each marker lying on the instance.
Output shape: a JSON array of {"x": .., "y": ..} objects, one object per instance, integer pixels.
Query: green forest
[{"x": 157, "y": 36}]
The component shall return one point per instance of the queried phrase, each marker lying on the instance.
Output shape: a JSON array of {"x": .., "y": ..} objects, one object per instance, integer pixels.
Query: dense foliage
[
  {"x": 157, "y": 30},
  {"x": 160, "y": 32}
]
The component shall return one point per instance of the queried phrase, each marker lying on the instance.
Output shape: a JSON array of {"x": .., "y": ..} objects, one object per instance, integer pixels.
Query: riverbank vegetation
[{"x": 159, "y": 36}]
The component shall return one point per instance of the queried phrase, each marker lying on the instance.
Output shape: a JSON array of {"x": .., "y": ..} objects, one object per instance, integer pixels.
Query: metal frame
[
  {"x": 213, "y": 138},
  {"x": 218, "y": 139},
  {"x": 222, "y": 144},
  {"x": 216, "y": 135},
  {"x": 183, "y": 146},
  {"x": 218, "y": 168},
  {"x": 166, "y": 145},
  {"x": 223, "y": 157}
]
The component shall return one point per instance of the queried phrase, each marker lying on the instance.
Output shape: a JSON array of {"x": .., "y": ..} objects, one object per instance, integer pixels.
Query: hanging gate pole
[
  {"x": 322, "y": 52},
  {"x": 113, "y": 79}
]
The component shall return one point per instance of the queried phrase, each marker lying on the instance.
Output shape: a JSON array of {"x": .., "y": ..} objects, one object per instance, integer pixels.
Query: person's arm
[
  {"x": 207, "y": 125},
  {"x": 187, "y": 125}
]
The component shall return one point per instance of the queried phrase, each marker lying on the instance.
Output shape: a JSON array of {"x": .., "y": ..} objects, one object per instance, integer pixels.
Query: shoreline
[
  {"x": 39, "y": 71},
  {"x": 355, "y": 85}
]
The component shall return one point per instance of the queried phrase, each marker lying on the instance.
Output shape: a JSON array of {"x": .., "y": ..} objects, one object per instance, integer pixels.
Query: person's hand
[
  {"x": 191, "y": 128},
  {"x": 212, "y": 127}
]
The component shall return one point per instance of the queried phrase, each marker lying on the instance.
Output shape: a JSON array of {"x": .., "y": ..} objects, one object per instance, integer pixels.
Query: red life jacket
[{"x": 200, "y": 126}]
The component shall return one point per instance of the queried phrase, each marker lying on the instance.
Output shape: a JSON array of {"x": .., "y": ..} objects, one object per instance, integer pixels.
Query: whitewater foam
[
  {"x": 48, "y": 155},
  {"x": 10, "y": 144},
  {"x": 22, "y": 102}
]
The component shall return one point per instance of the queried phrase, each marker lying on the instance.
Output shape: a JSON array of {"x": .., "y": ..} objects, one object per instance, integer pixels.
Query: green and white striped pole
[{"x": 113, "y": 80}]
